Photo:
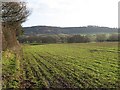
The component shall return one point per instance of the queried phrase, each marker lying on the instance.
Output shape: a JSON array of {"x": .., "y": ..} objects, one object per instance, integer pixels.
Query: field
[{"x": 84, "y": 65}]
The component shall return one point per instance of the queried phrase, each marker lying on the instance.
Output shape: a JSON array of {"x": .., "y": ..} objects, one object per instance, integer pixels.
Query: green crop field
[{"x": 84, "y": 65}]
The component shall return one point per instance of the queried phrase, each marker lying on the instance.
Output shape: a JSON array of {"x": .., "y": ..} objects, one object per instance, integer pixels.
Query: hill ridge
[{"x": 68, "y": 30}]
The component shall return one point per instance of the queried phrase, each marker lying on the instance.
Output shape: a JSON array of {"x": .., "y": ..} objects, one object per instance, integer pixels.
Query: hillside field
[{"x": 84, "y": 65}]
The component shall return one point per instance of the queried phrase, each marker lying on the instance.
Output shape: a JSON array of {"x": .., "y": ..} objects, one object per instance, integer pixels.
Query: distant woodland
[
  {"x": 36, "y": 30},
  {"x": 48, "y": 34}
]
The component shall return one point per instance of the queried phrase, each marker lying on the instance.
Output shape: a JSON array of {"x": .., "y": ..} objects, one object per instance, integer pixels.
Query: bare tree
[
  {"x": 13, "y": 15},
  {"x": 14, "y": 12}
]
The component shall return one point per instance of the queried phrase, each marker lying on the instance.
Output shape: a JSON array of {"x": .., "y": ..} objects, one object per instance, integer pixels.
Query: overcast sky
[{"x": 73, "y": 13}]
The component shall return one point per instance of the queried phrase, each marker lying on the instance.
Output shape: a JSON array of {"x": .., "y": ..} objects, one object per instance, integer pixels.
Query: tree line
[{"x": 69, "y": 38}]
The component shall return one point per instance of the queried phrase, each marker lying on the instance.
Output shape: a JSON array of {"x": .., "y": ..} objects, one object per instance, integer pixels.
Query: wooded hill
[{"x": 68, "y": 30}]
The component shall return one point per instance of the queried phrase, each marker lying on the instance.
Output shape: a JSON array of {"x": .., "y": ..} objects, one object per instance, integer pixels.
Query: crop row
[{"x": 68, "y": 65}]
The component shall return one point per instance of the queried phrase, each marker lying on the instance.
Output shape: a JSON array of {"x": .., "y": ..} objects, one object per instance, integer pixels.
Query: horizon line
[{"x": 71, "y": 26}]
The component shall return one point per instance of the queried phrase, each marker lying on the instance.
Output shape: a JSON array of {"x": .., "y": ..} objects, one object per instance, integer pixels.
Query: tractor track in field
[
  {"x": 82, "y": 82},
  {"x": 41, "y": 70},
  {"x": 26, "y": 82},
  {"x": 86, "y": 78},
  {"x": 81, "y": 65},
  {"x": 39, "y": 75},
  {"x": 60, "y": 82},
  {"x": 94, "y": 80}
]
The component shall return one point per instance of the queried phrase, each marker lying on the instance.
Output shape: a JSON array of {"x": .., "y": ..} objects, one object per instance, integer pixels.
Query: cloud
[{"x": 74, "y": 12}]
